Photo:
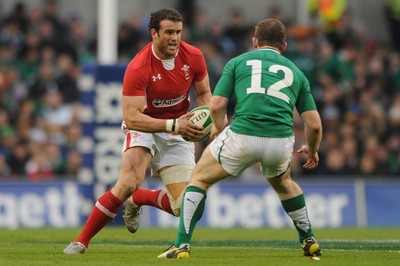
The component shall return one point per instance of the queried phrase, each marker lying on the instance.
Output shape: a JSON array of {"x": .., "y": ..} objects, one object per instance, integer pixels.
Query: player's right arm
[{"x": 132, "y": 112}]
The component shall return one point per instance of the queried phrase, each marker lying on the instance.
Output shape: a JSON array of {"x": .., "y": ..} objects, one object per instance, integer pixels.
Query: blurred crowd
[{"x": 355, "y": 80}]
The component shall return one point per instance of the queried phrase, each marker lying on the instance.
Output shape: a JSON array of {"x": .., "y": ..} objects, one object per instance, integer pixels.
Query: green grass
[{"x": 116, "y": 246}]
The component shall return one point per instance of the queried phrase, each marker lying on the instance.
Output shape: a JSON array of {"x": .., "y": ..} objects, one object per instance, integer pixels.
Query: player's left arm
[
  {"x": 313, "y": 134},
  {"x": 218, "y": 105},
  {"x": 312, "y": 125},
  {"x": 203, "y": 91}
]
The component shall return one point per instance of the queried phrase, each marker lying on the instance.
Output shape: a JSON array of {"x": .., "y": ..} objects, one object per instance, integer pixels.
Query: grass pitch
[{"x": 116, "y": 246}]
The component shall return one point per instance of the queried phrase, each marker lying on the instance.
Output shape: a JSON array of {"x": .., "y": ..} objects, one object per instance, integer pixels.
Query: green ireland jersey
[{"x": 267, "y": 87}]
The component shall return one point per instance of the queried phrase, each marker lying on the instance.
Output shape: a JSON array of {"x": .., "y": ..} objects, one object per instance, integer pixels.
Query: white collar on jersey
[
  {"x": 270, "y": 49},
  {"x": 168, "y": 64}
]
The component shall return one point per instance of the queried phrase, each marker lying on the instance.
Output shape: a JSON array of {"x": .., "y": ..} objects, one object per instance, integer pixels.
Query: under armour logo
[{"x": 156, "y": 77}]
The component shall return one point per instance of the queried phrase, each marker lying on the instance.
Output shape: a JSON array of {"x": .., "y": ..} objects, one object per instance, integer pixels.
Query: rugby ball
[{"x": 202, "y": 118}]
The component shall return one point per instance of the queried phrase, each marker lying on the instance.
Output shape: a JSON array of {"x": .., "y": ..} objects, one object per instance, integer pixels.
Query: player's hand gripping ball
[{"x": 202, "y": 118}]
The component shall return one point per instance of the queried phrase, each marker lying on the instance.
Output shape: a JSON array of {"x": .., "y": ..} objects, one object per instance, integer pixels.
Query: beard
[{"x": 169, "y": 50}]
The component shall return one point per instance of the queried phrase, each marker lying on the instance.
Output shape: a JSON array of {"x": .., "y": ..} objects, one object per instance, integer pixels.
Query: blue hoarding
[
  {"x": 229, "y": 204},
  {"x": 55, "y": 204}
]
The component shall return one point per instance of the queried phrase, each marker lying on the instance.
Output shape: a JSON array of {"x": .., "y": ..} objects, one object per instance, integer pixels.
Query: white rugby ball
[{"x": 202, "y": 118}]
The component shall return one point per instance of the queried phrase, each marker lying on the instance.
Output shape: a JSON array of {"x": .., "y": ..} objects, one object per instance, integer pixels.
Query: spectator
[
  {"x": 223, "y": 44},
  {"x": 349, "y": 149},
  {"x": 51, "y": 14},
  {"x": 81, "y": 39},
  {"x": 394, "y": 113},
  {"x": 55, "y": 156},
  {"x": 5, "y": 170},
  {"x": 11, "y": 34},
  {"x": 393, "y": 145},
  {"x": 129, "y": 35},
  {"x": 24, "y": 119},
  {"x": 368, "y": 165},
  {"x": 18, "y": 158},
  {"x": 392, "y": 9},
  {"x": 200, "y": 30},
  {"x": 56, "y": 115},
  {"x": 334, "y": 163},
  {"x": 39, "y": 167},
  {"x": 237, "y": 30},
  {"x": 73, "y": 163},
  {"x": 7, "y": 131},
  {"x": 67, "y": 79},
  {"x": 73, "y": 135},
  {"x": 44, "y": 82}
]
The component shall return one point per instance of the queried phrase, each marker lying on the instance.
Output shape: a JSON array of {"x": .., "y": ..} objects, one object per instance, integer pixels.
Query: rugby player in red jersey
[{"x": 155, "y": 104}]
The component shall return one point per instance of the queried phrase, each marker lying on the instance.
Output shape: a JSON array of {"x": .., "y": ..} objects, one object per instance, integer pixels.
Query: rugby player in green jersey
[{"x": 268, "y": 87}]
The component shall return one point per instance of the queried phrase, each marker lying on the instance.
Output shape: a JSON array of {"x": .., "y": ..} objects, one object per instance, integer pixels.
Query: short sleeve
[
  {"x": 135, "y": 82},
  {"x": 226, "y": 84}
]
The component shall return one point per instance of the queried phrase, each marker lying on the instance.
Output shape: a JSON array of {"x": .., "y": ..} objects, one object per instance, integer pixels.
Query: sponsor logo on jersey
[{"x": 169, "y": 102}]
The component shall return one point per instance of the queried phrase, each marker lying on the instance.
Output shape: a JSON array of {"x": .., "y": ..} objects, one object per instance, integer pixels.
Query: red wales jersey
[{"x": 165, "y": 83}]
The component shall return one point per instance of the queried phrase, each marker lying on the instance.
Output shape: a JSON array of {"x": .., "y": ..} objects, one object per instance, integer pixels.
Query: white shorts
[
  {"x": 236, "y": 152},
  {"x": 166, "y": 149}
]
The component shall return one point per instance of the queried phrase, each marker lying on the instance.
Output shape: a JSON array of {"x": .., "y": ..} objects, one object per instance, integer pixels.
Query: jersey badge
[
  {"x": 135, "y": 137},
  {"x": 185, "y": 70}
]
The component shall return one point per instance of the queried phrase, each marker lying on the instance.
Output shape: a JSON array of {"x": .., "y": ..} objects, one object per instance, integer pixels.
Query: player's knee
[
  {"x": 123, "y": 191},
  {"x": 201, "y": 183},
  {"x": 282, "y": 185},
  {"x": 128, "y": 185},
  {"x": 176, "y": 204}
]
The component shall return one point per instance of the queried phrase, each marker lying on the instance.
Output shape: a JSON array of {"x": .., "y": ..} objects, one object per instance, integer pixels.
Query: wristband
[
  {"x": 175, "y": 126},
  {"x": 172, "y": 125},
  {"x": 168, "y": 125}
]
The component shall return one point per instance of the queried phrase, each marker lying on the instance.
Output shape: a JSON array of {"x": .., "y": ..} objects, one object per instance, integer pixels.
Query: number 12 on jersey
[{"x": 275, "y": 89}]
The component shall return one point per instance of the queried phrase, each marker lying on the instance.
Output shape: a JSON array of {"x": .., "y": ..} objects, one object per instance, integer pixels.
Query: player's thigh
[
  {"x": 134, "y": 164},
  {"x": 207, "y": 171},
  {"x": 277, "y": 155},
  {"x": 176, "y": 178},
  {"x": 234, "y": 152},
  {"x": 173, "y": 150},
  {"x": 174, "y": 162}
]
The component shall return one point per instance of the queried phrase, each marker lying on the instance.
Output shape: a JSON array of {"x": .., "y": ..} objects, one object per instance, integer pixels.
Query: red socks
[
  {"x": 155, "y": 198},
  {"x": 105, "y": 209}
]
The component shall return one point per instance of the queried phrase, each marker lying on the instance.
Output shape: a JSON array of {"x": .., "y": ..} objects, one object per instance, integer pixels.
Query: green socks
[
  {"x": 193, "y": 204},
  {"x": 192, "y": 209},
  {"x": 296, "y": 209}
]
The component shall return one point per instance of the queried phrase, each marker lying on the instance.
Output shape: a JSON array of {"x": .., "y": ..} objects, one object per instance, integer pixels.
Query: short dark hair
[
  {"x": 163, "y": 14},
  {"x": 270, "y": 32}
]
